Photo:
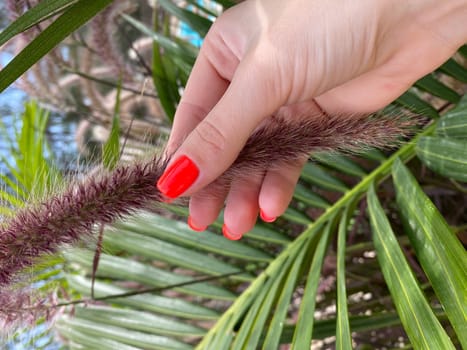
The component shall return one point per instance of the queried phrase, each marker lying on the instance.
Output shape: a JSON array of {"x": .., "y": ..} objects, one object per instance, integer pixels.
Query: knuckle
[
  {"x": 220, "y": 52},
  {"x": 211, "y": 135}
]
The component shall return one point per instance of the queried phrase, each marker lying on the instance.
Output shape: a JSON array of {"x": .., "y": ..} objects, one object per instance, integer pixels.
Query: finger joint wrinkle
[{"x": 211, "y": 135}]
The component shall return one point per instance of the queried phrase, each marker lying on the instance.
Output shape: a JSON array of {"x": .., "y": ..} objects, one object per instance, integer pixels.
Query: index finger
[{"x": 204, "y": 88}]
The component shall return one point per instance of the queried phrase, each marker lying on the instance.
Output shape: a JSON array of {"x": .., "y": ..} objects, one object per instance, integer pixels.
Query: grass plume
[
  {"x": 102, "y": 197},
  {"x": 66, "y": 217},
  {"x": 23, "y": 307}
]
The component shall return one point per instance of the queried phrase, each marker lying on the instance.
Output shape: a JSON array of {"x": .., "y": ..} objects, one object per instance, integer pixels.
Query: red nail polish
[
  {"x": 266, "y": 218},
  {"x": 194, "y": 227},
  {"x": 178, "y": 177},
  {"x": 229, "y": 235}
]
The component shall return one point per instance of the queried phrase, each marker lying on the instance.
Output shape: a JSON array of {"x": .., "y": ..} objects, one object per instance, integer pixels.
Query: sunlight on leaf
[
  {"x": 420, "y": 323},
  {"x": 440, "y": 253},
  {"x": 447, "y": 157}
]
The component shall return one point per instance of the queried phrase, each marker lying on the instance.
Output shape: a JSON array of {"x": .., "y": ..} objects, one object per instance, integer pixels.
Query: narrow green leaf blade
[
  {"x": 420, "y": 323},
  {"x": 149, "y": 302},
  {"x": 308, "y": 197},
  {"x": 11, "y": 199},
  {"x": 176, "y": 50},
  {"x": 454, "y": 123},
  {"x": 198, "y": 23},
  {"x": 441, "y": 254},
  {"x": 128, "y": 269},
  {"x": 455, "y": 70},
  {"x": 429, "y": 84},
  {"x": 296, "y": 216},
  {"x": 122, "y": 335},
  {"x": 157, "y": 226},
  {"x": 263, "y": 233},
  {"x": 6, "y": 211},
  {"x": 85, "y": 341},
  {"x": 304, "y": 328},
  {"x": 72, "y": 19},
  {"x": 341, "y": 163},
  {"x": 249, "y": 334},
  {"x": 414, "y": 103},
  {"x": 111, "y": 149},
  {"x": 222, "y": 334},
  {"x": 225, "y": 328},
  {"x": 280, "y": 311},
  {"x": 446, "y": 156},
  {"x": 16, "y": 188},
  {"x": 137, "y": 320},
  {"x": 327, "y": 328},
  {"x": 33, "y": 16},
  {"x": 343, "y": 337},
  {"x": 374, "y": 155},
  {"x": 316, "y": 175},
  {"x": 164, "y": 86},
  {"x": 276, "y": 295},
  {"x": 159, "y": 250},
  {"x": 260, "y": 232},
  {"x": 463, "y": 50},
  {"x": 226, "y": 3}
]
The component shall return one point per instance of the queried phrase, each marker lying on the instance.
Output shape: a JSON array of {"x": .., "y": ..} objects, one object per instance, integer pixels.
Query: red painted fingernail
[
  {"x": 178, "y": 177},
  {"x": 229, "y": 235},
  {"x": 266, "y": 218},
  {"x": 194, "y": 227}
]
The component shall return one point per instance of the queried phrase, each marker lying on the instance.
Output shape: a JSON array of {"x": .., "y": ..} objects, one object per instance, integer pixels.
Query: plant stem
[{"x": 378, "y": 175}]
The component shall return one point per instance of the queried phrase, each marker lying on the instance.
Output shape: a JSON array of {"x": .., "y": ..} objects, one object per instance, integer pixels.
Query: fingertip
[
  {"x": 229, "y": 235},
  {"x": 195, "y": 227},
  {"x": 206, "y": 205},
  {"x": 265, "y": 217},
  {"x": 277, "y": 190},
  {"x": 241, "y": 209}
]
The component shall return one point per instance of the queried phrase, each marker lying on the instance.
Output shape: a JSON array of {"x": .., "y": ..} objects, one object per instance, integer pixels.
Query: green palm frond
[
  {"x": 420, "y": 323},
  {"x": 259, "y": 317},
  {"x": 440, "y": 253}
]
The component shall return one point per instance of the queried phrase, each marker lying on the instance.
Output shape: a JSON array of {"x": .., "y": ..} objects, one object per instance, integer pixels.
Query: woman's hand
[{"x": 276, "y": 57}]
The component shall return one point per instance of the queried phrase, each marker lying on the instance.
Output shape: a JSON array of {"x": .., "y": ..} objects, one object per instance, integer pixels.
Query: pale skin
[{"x": 266, "y": 57}]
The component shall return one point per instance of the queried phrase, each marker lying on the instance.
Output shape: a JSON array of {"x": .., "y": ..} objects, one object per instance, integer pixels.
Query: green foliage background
[{"x": 362, "y": 257}]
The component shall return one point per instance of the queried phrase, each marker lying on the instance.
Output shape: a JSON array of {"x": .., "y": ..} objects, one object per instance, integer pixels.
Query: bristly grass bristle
[
  {"x": 285, "y": 141},
  {"x": 102, "y": 197},
  {"x": 22, "y": 307},
  {"x": 66, "y": 217}
]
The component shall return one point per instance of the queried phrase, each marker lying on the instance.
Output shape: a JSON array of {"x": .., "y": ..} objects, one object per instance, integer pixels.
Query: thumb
[{"x": 217, "y": 140}]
